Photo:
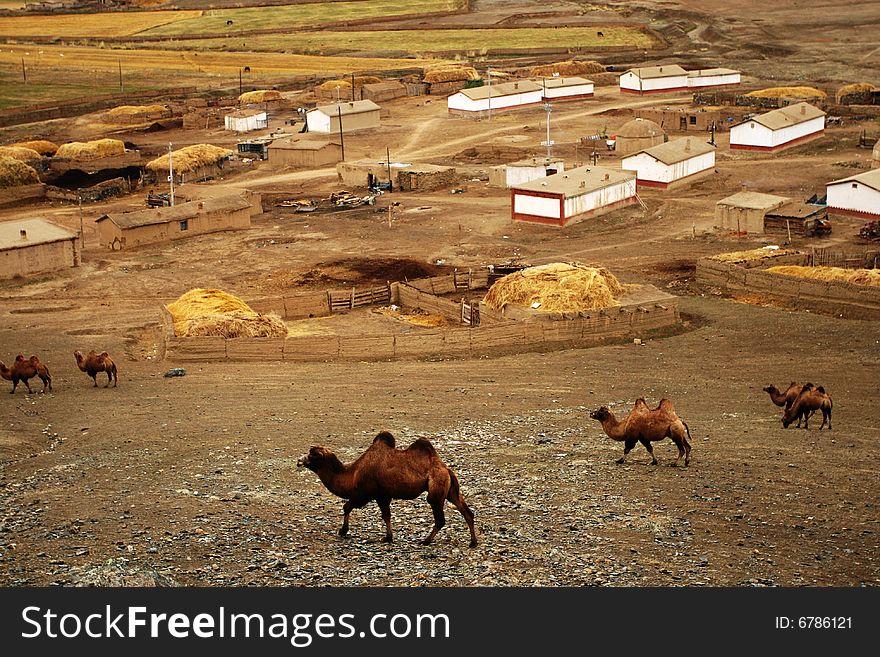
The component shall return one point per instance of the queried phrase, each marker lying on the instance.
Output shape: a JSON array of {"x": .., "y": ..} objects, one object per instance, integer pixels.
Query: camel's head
[
  {"x": 771, "y": 388},
  {"x": 317, "y": 459},
  {"x": 601, "y": 414},
  {"x": 20, "y": 359}
]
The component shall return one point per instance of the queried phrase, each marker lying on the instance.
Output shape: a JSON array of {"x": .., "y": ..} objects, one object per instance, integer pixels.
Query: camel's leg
[
  {"x": 627, "y": 448},
  {"x": 806, "y": 415},
  {"x": 647, "y": 444},
  {"x": 109, "y": 379},
  {"x": 27, "y": 385},
  {"x": 826, "y": 415},
  {"x": 47, "y": 382},
  {"x": 385, "y": 508},
  {"x": 14, "y": 384},
  {"x": 346, "y": 511},
  {"x": 679, "y": 442},
  {"x": 95, "y": 378},
  {"x": 437, "y": 492},
  {"x": 457, "y": 499},
  {"x": 115, "y": 377}
]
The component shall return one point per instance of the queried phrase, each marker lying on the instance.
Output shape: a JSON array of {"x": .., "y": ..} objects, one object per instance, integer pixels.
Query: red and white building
[
  {"x": 495, "y": 97},
  {"x": 855, "y": 196},
  {"x": 672, "y": 164},
  {"x": 713, "y": 77},
  {"x": 559, "y": 88},
  {"x": 654, "y": 80},
  {"x": 567, "y": 198},
  {"x": 779, "y": 128}
]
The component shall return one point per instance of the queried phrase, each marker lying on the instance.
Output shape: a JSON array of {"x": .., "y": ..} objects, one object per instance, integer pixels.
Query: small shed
[
  {"x": 779, "y": 128},
  {"x": 744, "y": 212},
  {"x": 673, "y": 164},
  {"x": 246, "y": 120},
  {"x": 308, "y": 153},
  {"x": 36, "y": 246},
  {"x": 687, "y": 119},
  {"x": 479, "y": 101},
  {"x": 713, "y": 77},
  {"x": 654, "y": 79},
  {"x": 572, "y": 88},
  {"x": 637, "y": 135},
  {"x": 380, "y": 92},
  {"x": 256, "y": 148},
  {"x": 567, "y": 198},
  {"x": 129, "y": 230},
  {"x": 403, "y": 176},
  {"x": 855, "y": 196},
  {"x": 523, "y": 171},
  {"x": 354, "y": 115}
]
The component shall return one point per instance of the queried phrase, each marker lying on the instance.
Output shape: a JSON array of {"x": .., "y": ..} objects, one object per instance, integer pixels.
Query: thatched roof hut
[{"x": 192, "y": 163}]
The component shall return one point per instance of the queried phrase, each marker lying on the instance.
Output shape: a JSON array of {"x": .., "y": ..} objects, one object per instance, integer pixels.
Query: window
[
  {"x": 855, "y": 185},
  {"x": 184, "y": 225},
  {"x": 692, "y": 120}
]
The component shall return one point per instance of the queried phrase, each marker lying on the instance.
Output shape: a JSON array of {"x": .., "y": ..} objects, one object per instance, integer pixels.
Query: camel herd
[
  {"x": 23, "y": 369},
  {"x": 801, "y": 402}
]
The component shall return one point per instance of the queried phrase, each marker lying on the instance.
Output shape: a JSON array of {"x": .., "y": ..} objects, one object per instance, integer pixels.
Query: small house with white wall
[
  {"x": 479, "y": 101},
  {"x": 713, "y": 77},
  {"x": 779, "y": 128},
  {"x": 354, "y": 115},
  {"x": 673, "y": 164},
  {"x": 560, "y": 88},
  {"x": 568, "y": 198},
  {"x": 246, "y": 120},
  {"x": 523, "y": 171},
  {"x": 855, "y": 196},
  {"x": 654, "y": 79}
]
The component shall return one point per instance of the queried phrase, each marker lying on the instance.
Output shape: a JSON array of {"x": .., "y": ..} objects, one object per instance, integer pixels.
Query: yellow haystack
[
  {"x": 41, "y": 146},
  {"x": 260, "y": 96},
  {"x": 849, "y": 89},
  {"x": 134, "y": 110},
  {"x": 209, "y": 312},
  {"x": 190, "y": 158},
  {"x": 568, "y": 68},
  {"x": 15, "y": 172},
  {"x": 90, "y": 150},
  {"x": 557, "y": 287},
  {"x": 788, "y": 92},
  {"x": 869, "y": 277},
  {"x": 451, "y": 74},
  {"x": 753, "y": 254},
  {"x": 359, "y": 82},
  {"x": 20, "y": 153}
]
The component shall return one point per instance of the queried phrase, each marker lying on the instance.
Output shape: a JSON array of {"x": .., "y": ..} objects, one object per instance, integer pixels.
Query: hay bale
[
  {"x": 869, "y": 277},
  {"x": 261, "y": 96},
  {"x": 134, "y": 110},
  {"x": 20, "y": 153},
  {"x": 211, "y": 312},
  {"x": 567, "y": 68},
  {"x": 751, "y": 255},
  {"x": 41, "y": 146},
  {"x": 788, "y": 92},
  {"x": 14, "y": 172},
  {"x": 450, "y": 74},
  {"x": 90, "y": 150},
  {"x": 190, "y": 158},
  {"x": 851, "y": 89},
  {"x": 359, "y": 81},
  {"x": 557, "y": 287}
]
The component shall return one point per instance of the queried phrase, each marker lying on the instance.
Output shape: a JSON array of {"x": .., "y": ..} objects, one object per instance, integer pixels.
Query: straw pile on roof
[
  {"x": 261, "y": 96},
  {"x": 568, "y": 68},
  {"x": 41, "y": 146},
  {"x": 190, "y": 158},
  {"x": 557, "y": 287},
  {"x": 90, "y": 150},
  {"x": 15, "y": 172},
  {"x": 849, "y": 89},
  {"x": 20, "y": 153},
  {"x": 788, "y": 92},
  {"x": 208, "y": 312},
  {"x": 869, "y": 277},
  {"x": 753, "y": 254},
  {"x": 133, "y": 110},
  {"x": 450, "y": 74},
  {"x": 359, "y": 82}
]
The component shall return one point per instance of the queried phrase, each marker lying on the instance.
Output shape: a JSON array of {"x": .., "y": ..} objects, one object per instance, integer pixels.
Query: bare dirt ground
[{"x": 192, "y": 480}]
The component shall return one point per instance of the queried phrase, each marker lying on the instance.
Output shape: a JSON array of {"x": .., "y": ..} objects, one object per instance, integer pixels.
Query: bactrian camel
[
  {"x": 645, "y": 425},
  {"x": 94, "y": 363},
  {"x": 23, "y": 369}
]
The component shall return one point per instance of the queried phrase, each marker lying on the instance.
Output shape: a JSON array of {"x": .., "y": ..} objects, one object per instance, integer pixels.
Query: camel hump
[
  {"x": 423, "y": 445},
  {"x": 104, "y": 354},
  {"x": 666, "y": 405},
  {"x": 385, "y": 437},
  {"x": 820, "y": 389}
]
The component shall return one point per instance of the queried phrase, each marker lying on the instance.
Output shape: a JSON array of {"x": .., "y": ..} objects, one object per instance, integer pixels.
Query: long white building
[
  {"x": 654, "y": 79},
  {"x": 353, "y": 115},
  {"x": 559, "y": 88},
  {"x": 523, "y": 171},
  {"x": 570, "y": 197},
  {"x": 495, "y": 97},
  {"x": 855, "y": 196},
  {"x": 713, "y": 77},
  {"x": 779, "y": 128},
  {"x": 672, "y": 164}
]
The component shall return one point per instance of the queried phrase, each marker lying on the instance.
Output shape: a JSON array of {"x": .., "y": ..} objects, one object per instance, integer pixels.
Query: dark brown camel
[
  {"x": 94, "y": 363},
  {"x": 645, "y": 425},
  {"x": 810, "y": 400},
  {"x": 384, "y": 473},
  {"x": 786, "y": 398},
  {"x": 23, "y": 369}
]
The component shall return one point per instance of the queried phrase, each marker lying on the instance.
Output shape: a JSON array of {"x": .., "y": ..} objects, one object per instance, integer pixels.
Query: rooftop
[
  {"x": 351, "y": 107},
  {"x": 188, "y": 210},
  {"x": 664, "y": 71},
  {"x": 560, "y": 82},
  {"x": 788, "y": 116},
  {"x": 503, "y": 89},
  {"x": 39, "y": 231},
  {"x": 292, "y": 144},
  {"x": 577, "y": 182},
  {"x": 753, "y": 201},
  {"x": 706, "y": 72},
  {"x": 678, "y": 150},
  {"x": 244, "y": 113},
  {"x": 868, "y": 178}
]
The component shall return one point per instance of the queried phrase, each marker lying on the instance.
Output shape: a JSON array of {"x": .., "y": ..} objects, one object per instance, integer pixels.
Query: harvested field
[{"x": 88, "y": 25}]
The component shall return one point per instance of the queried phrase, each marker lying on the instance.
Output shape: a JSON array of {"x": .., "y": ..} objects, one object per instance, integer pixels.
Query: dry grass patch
[
  {"x": 869, "y": 277},
  {"x": 15, "y": 172},
  {"x": 788, "y": 92},
  {"x": 751, "y": 255},
  {"x": 568, "y": 68},
  {"x": 259, "y": 96},
  {"x": 21, "y": 153},
  {"x": 41, "y": 146},
  {"x": 89, "y": 26}
]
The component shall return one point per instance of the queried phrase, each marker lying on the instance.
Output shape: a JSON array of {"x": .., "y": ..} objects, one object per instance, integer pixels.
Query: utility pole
[
  {"x": 23, "y": 71},
  {"x": 171, "y": 173},
  {"x": 82, "y": 232},
  {"x": 352, "y": 87},
  {"x": 388, "y": 160},
  {"x": 341, "y": 138},
  {"x": 121, "y": 89},
  {"x": 548, "y": 108},
  {"x": 489, "y": 78},
  {"x": 239, "y": 81}
]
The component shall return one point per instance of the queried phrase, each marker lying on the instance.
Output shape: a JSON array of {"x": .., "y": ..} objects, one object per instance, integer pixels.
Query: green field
[{"x": 426, "y": 41}]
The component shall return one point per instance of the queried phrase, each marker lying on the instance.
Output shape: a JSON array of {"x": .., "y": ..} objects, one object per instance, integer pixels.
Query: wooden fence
[
  {"x": 831, "y": 257},
  {"x": 342, "y": 300}
]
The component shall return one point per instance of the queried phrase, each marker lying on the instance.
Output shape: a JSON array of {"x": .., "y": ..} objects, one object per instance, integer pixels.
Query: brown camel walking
[
  {"x": 384, "y": 473},
  {"x": 645, "y": 425},
  {"x": 94, "y": 363},
  {"x": 23, "y": 369}
]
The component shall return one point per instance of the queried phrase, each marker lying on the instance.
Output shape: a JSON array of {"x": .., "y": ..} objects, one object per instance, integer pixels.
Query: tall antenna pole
[
  {"x": 549, "y": 108},
  {"x": 171, "y": 173}
]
